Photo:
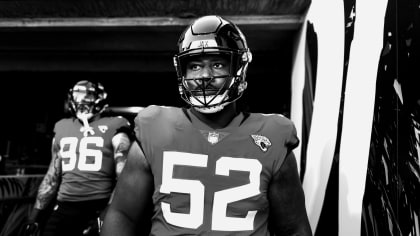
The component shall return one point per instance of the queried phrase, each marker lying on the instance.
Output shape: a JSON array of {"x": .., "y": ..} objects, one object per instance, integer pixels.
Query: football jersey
[
  {"x": 212, "y": 181},
  {"x": 88, "y": 167}
]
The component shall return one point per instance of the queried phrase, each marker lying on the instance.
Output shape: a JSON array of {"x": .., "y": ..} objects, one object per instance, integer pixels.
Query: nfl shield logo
[{"x": 213, "y": 137}]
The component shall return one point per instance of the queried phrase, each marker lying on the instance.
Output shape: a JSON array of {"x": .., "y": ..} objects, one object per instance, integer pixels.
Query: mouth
[{"x": 208, "y": 100}]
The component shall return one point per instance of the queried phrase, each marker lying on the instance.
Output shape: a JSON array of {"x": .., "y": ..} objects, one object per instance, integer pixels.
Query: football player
[
  {"x": 210, "y": 169},
  {"x": 89, "y": 150}
]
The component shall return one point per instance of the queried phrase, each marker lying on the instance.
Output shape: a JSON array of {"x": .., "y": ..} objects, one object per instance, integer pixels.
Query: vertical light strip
[
  {"x": 327, "y": 17},
  {"x": 298, "y": 82},
  {"x": 358, "y": 112}
]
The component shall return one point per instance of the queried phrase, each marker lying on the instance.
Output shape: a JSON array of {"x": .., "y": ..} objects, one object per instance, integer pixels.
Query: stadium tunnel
[{"x": 128, "y": 46}]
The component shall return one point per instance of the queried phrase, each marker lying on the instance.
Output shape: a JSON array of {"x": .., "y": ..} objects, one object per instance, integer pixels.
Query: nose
[
  {"x": 206, "y": 72},
  {"x": 204, "y": 77}
]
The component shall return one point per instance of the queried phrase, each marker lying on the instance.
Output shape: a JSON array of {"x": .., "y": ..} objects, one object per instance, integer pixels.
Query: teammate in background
[
  {"x": 210, "y": 169},
  {"x": 89, "y": 152}
]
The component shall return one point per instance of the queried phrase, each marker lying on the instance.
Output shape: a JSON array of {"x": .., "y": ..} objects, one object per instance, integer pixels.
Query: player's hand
[
  {"x": 34, "y": 221},
  {"x": 31, "y": 229},
  {"x": 95, "y": 225}
]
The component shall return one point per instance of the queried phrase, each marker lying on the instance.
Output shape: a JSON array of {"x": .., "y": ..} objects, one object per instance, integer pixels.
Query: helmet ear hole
[
  {"x": 242, "y": 86},
  {"x": 246, "y": 57}
]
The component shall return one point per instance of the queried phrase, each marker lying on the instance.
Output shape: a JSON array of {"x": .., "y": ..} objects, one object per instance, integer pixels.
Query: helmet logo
[
  {"x": 261, "y": 141},
  {"x": 203, "y": 43}
]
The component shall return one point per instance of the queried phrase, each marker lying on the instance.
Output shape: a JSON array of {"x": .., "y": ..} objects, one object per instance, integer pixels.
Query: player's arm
[
  {"x": 46, "y": 191},
  {"x": 49, "y": 185},
  {"x": 129, "y": 212},
  {"x": 121, "y": 143},
  {"x": 287, "y": 201}
]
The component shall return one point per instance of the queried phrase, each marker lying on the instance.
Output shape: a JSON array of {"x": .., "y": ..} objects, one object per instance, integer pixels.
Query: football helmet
[
  {"x": 213, "y": 35},
  {"x": 87, "y": 99}
]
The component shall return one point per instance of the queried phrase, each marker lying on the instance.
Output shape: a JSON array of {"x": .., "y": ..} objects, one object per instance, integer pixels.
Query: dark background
[{"x": 38, "y": 65}]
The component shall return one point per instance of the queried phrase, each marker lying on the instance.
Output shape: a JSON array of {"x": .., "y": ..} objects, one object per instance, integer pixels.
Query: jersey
[
  {"x": 87, "y": 157},
  {"x": 212, "y": 181}
]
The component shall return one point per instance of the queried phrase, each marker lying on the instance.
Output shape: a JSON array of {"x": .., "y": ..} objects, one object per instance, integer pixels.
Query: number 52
[{"x": 195, "y": 189}]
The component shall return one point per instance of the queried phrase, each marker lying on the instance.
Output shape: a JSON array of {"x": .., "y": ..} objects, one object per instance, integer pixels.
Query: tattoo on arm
[{"x": 49, "y": 185}]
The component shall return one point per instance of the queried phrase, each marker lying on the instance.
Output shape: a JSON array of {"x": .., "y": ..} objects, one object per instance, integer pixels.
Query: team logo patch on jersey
[
  {"x": 261, "y": 141},
  {"x": 103, "y": 128}
]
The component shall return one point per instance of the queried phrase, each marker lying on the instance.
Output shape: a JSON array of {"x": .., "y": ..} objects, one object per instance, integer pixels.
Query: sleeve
[
  {"x": 137, "y": 128},
  {"x": 56, "y": 127},
  {"x": 143, "y": 117},
  {"x": 288, "y": 141},
  {"x": 124, "y": 126},
  {"x": 55, "y": 147},
  {"x": 146, "y": 129},
  {"x": 293, "y": 141}
]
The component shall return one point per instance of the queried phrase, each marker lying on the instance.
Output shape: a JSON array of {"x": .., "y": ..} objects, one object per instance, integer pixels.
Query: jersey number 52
[
  {"x": 69, "y": 155},
  {"x": 196, "y": 189}
]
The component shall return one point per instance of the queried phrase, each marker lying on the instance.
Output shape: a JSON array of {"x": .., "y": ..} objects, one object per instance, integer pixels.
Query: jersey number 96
[{"x": 69, "y": 155}]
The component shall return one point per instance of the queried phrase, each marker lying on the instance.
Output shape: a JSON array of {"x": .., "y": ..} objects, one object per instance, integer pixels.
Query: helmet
[
  {"x": 213, "y": 35},
  {"x": 87, "y": 99}
]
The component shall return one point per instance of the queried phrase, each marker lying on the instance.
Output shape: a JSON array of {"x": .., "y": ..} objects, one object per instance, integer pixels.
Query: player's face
[
  {"x": 84, "y": 101},
  {"x": 207, "y": 74}
]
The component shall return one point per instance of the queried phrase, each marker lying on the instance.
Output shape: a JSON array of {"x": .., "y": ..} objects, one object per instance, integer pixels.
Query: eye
[
  {"x": 219, "y": 65},
  {"x": 193, "y": 66}
]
